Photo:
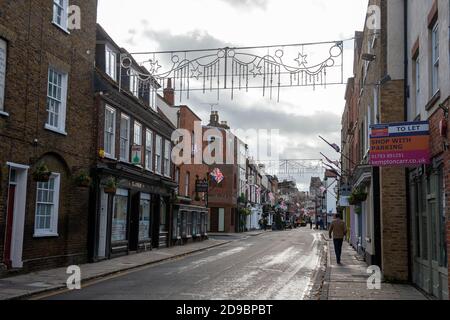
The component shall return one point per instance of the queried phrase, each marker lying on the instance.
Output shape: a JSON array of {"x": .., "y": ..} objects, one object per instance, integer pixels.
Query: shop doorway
[
  {"x": 430, "y": 271},
  {"x": 15, "y": 218}
]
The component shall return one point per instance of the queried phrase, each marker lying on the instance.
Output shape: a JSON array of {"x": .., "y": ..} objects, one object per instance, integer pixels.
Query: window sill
[
  {"x": 56, "y": 130},
  {"x": 46, "y": 235},
  {"x": 433, "y": 100},
  {"x": 4, "y": 114},
  {"x": 109, "y": 157},
  {"x": 61, "y": 28}
]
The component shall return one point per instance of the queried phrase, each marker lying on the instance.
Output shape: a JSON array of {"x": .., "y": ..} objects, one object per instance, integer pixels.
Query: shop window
[
  {"x": 120, "y": 216},
  {"x": 163, "y": 216},
  {"x": 194, "y": 223},
  {"x": 144, "y": 217},
  {"x": 189, "y": 224},
  {"x": 199, "y": 223}
]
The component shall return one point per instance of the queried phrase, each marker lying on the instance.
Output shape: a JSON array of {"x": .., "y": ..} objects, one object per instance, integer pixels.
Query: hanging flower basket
[
  {"x": 245, "y": 212},
  {"x": 42, "y": 173},
  {"x": 111, "y": 186},
  {"x": 357, "y": 197},
  {"x": 83, "y": 180}
]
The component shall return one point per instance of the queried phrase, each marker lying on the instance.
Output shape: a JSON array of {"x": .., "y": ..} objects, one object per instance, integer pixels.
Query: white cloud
[{"x": 302, "y": 114}]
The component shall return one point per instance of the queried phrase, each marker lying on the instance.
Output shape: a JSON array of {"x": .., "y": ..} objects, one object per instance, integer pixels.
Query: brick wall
[
  {"x": 394, "y": 233},
  {"x": 34, "y": 43}
]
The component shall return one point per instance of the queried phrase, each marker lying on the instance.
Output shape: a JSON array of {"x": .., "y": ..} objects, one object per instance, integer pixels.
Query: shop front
[
  {"x": 428, "y": 229},
  {"x": 190, "y": 224},
  {"x": 131, "y": 216}
]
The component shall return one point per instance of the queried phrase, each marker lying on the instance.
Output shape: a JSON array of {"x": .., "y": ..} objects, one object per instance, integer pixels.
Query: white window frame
[
  {"x": 110, "y": 62},
  {"x": 57, "y": 98},
  {"x": 187, "y": 177},
  {"x": 137, "y": 139},
  {"x": 167, "y": 162},
  {"x": 62, "y": 5},
  {"x": 134, "y": 82},
  {"x": 112, "y": 132},
  {"x": 435, "y": 59},
  {"x": 4, "y": 51},
  {"x": 149, "y": 150},
  {"x": 125, "y": 157},
  {"x": 158, "y": 154},
  {"x": 53, "y": 230},
  {"x": 417, "y": 84}
]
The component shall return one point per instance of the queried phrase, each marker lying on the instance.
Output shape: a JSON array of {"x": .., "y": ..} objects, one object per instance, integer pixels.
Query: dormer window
[
  {"x": 134, "y": 82},
  {"x": 111, "y": 63}
]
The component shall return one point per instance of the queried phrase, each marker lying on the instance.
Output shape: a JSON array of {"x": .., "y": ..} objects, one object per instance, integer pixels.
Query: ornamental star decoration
[
  {"x": 154, "y": 66},
  {"x": 256, "y": 70},
  {"x": 301, "y": 60},
  {"x": 196, "y": 73}
]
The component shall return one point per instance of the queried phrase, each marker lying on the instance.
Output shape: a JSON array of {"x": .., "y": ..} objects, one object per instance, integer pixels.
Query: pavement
[
  {"x": 23, "y": 286},
  {"x": 349, "y": 280},
  {"x": 271, "y": 266}
]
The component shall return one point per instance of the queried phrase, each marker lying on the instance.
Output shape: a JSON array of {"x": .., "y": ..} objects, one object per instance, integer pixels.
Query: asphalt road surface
[{"x": 273, "y": 266}]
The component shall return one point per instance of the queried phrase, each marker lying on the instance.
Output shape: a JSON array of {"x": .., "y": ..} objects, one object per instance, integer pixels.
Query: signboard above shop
[{"x": 400, "y": 144}]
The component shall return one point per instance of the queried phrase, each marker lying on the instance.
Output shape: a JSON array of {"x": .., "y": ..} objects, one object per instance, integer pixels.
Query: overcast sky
[{"x": 302, "y": 113}]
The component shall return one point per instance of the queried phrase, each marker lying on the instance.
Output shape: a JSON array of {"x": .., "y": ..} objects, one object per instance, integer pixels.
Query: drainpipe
[{"x": 406, "y": 94}]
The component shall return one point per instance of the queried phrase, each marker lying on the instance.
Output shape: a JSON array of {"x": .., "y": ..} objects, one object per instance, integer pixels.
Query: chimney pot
[{"x": 169, "y": 93}]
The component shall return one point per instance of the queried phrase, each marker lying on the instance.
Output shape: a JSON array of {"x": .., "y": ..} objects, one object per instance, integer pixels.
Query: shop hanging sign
[
  {"x": 201, "y": 186},
  {"x": 400, "y": 144},
  {"x": 136, "y": 155}
]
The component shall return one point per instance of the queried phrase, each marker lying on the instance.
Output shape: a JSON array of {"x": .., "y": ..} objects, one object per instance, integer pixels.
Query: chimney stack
[
  {"x": 169, "y": 93},
  {"x": 214, "y": 119}
]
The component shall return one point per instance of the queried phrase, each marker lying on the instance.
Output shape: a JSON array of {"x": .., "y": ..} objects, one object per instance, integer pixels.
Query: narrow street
[{"x": 272, "y": 266}]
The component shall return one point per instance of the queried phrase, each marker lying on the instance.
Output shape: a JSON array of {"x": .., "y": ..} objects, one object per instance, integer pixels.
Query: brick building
[
  {"x": 379, "y": 228},
  {"x": 223, "y": 196},
  {"x": 428, "y": 82},
  {"x": 134, "y": 175},
  {"x": 46, "y": 121}
]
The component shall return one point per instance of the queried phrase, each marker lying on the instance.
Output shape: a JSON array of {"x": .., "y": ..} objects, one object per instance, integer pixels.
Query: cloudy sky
[{"x": 302, "y": 113}]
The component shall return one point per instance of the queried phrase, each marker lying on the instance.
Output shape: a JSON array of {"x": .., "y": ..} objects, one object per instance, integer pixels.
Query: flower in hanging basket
[
  {"x": 42, "y": 173},
  {"x": 111, "y": 186},
  {"x": 83, "y": 180}
]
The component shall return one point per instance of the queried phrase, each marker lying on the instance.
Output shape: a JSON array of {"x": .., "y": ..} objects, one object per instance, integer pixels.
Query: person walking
[
  {"x": 337, "y": 232},
  {"x": 310, "y": 223}
]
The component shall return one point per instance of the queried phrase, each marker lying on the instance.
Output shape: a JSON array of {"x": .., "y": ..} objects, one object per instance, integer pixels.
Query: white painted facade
[{"x": 418, "y": 11}]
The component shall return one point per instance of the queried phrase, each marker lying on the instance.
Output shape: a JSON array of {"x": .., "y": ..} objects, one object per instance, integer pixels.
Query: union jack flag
[{"x": 217, "y": 175}]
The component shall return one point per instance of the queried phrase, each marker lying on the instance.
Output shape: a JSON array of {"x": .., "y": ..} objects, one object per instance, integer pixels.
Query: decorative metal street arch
[
  {"x": 269, "y": 68},
  {"x": 293, "y": 168}
]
